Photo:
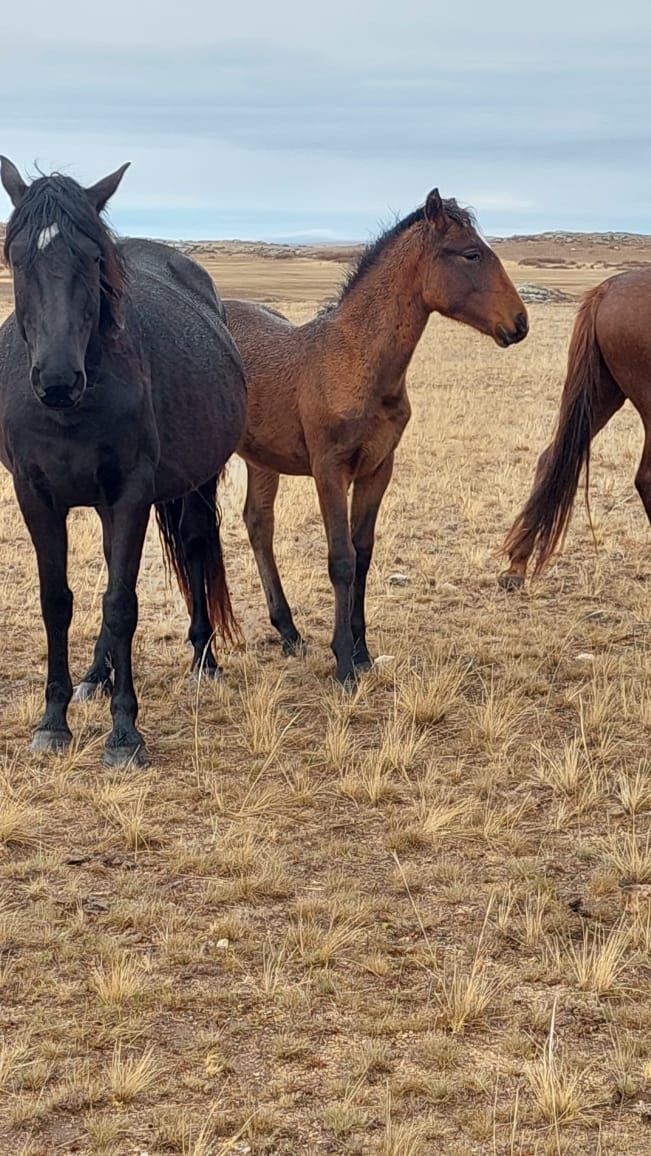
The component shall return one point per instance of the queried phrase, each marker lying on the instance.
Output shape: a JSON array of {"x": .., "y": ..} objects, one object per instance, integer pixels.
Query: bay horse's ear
[
  {"x": 100, "y": 194},
  {"x": 434, "y": 209},
  {"x": 12, "y": 181}
]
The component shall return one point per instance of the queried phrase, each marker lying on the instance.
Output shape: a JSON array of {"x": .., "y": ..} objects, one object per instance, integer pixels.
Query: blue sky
[{"x": 288, "y": 120}]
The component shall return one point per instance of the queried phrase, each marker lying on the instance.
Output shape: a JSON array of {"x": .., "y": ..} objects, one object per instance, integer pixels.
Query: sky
[{"x": 287, "y": 121}]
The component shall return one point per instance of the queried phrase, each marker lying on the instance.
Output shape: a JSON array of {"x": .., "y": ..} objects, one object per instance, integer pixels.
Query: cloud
[{"x": 330, "y": 121}]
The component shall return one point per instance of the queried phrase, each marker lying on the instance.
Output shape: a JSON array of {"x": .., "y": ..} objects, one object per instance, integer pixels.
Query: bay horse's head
[
  {"x": 68, "y": 277},
  {"x": 464, "y": 279}
]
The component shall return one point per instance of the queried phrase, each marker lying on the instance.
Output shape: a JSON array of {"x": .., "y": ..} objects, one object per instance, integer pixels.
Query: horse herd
[{"x": 126, "y": 382}]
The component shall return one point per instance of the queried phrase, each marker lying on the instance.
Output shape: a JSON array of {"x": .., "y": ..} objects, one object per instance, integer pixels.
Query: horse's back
[
  {"x": 274, "y": 354},
  {"x": 196, "y": 375},
  {"x": 168, "y": 265}
]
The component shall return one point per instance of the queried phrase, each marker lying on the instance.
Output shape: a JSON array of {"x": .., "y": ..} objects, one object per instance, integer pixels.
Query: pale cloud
[{"x": 292, "y": 119}]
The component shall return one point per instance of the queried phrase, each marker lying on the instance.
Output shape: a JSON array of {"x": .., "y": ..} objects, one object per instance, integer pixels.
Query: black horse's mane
[
  {"x": 373, "y": 251},
  {"x": 59, "y": 200}
]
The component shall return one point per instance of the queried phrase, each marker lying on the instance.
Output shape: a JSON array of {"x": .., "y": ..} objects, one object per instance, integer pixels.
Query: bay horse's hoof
[
  {"x": 123, "y": 752},
  {"x": 87, "y": 690},
  {"x": 294, "y": 647},
  {"x": 510, "y": 581},
  {"x": 51, "y": 741}
]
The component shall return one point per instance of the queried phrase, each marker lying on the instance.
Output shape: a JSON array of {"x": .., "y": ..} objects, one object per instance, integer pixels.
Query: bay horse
[
  {"x": 609, "y": 361},
  {"x": 329, "y": 399},
  {"x": 120, "y": 388}
]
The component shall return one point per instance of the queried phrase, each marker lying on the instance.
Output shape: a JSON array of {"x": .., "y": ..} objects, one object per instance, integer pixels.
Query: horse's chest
[
  {"x": 70, "y": 471},
  {"x": 384, "y": 428}
]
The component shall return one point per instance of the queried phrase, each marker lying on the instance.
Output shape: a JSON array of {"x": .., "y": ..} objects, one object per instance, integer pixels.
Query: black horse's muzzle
[
  {"x": 506, "y": 337},
  {"x": 58, "y": 391}
]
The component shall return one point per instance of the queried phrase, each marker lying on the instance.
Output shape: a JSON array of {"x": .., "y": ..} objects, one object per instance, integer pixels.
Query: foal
[
  {"x": 120, "y": 387},
  {"x": 329, "y": 398},
  {"x": 609, "y": 361}
]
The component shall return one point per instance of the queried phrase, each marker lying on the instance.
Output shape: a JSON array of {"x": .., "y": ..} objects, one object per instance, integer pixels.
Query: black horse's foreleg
[
  {"x": 47, "y": 528},
  {"x": 125, "y": 744},
  {"x": 98, "y": 678}
]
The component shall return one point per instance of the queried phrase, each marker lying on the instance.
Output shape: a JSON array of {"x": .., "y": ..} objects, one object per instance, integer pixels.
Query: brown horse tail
[
  {"x": 186, "y": 520},
  {"x": 543, "y": 522}
]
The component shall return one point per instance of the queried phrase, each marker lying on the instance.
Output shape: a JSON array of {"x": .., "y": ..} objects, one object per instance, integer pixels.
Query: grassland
[{"x": 413, "y": 922}]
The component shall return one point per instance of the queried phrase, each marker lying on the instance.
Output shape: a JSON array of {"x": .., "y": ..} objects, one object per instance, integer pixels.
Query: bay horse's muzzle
[
  {"x": 506, "y": 337},
  {"x": 56, "y": 390}
]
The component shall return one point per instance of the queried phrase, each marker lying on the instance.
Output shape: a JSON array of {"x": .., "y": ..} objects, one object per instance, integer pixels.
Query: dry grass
[{"x": 222, "y": 954}]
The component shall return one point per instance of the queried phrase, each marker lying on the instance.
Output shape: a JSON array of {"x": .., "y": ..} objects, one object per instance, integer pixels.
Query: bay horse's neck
[{"x": 383, "y": 313}]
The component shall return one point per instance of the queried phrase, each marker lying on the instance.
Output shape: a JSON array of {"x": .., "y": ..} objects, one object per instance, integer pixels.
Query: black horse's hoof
[
  {"x": 363, "y": 663},
  {"x": 88, "y": 689},
  {"x": 348, "y": 680},
  {"x": 510, "y": 581},
  {"x": 50, "y": 741},
  {"x": 294, "y": 647},
  {"x": 125, "y": 752},
  {"x": 212, "y": 673}
]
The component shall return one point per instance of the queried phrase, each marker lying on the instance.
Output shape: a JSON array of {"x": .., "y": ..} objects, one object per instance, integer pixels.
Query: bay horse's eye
[{"x": 472, "y": 255}]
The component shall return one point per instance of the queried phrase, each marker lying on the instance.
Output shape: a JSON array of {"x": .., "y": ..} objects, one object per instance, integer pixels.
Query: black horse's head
[{"x": 68, "y": 277}]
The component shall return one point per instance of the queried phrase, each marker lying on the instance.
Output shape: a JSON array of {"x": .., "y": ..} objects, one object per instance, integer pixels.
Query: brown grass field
[{"x": 413, "y": 922}]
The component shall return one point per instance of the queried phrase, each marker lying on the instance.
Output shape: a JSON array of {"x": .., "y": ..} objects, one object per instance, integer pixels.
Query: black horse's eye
[{"x": 472, "y": 255}]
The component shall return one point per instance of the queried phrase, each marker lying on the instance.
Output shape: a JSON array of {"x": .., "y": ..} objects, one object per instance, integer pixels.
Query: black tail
[
  {"x": 183, "y": 521},
  {"x": 543, "y": 522}
]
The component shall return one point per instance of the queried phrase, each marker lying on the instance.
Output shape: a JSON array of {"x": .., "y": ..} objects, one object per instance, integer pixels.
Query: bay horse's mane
[
  {"x": 59, "y": 200},
  {"x": 372, "y": 252}
]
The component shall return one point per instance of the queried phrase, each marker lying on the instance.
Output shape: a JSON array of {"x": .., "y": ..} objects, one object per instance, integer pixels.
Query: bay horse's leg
[
  {"x": 262, "y": 487},
  {"x": 47, "y": 528},
  {"x": 125, "y": 744},
  {"x": 97, "y": 679},
  {"x": 367, "y": 498},
  {"x": 606, "y": 402},
  {"x": 332, "y": 488},
  {"x": 643, "y": 476}
]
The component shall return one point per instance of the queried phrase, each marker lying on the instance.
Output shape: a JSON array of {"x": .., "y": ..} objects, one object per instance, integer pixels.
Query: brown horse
[
  {"x": 328, "y": 398},
  {"x": 609, "y": 361}
]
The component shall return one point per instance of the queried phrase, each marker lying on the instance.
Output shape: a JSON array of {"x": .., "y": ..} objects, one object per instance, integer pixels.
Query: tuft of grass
[
  {"x": 402, "y": 1139},
  {"x": 633, "y": 789},
  {"x": 630, "y": 855},
  {"x": 338, "y": 745},
  {"x": 556, "y": 1087},
  {"x": 20, "y": 823},
  {"x": 427, "y": 698},
  {"x": 131, "y": 1076},
  {"x": 496, "y": 721},
  {"x": 117, "y": 981},
  {"x": 597, "y": 963}
]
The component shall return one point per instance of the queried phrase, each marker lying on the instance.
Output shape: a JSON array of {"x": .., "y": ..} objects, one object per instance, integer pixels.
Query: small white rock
[
  {"x": 398, "y": 579},
  {"x": 384, "y": 659},
  {"x": 585, "y": 657},
  {"x": 222, "y": 944}
]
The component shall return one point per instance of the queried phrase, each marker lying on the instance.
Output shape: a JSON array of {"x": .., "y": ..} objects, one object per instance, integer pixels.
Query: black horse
[{"x": 120, "y": 387}]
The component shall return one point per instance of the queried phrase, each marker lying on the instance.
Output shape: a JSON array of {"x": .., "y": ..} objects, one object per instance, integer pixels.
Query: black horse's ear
[
  {"x": 12, "y": 181},
  {"x": 434, "y": 209},
  {"x": 100, "y": 194}
]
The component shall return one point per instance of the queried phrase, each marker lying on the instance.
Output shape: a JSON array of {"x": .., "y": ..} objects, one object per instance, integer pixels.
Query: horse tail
[
  {"x": 184, "y": 522},
  {"x": 543, "y": 522}
]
